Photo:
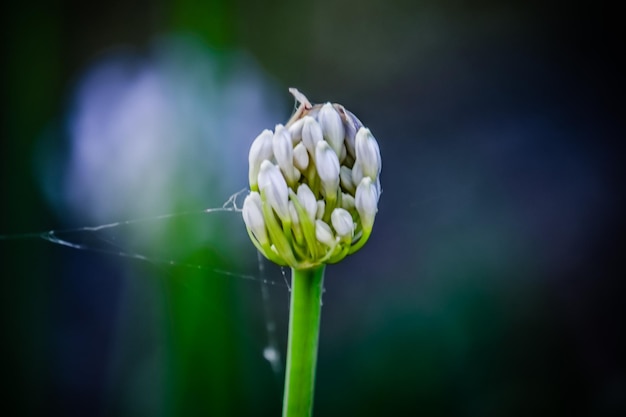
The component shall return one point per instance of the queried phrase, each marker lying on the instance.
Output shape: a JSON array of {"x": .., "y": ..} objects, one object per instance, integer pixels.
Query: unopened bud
[
  {"x": 273, "y": 184},
  {"x": 368, "y": 153},
  {"x": 307, "y": 200},
  {"x": 300, "y": 157},
  {"x": 366, "y": 202},
  {"x": 379, "y": 188},
  {"x": 342, "y": 222},
  {"x": 347, "y": 201},
  {"x": 327, "y": 167},
  {"x": 357, "y": 173},
  {"x": 283, "y": 152},
  {"x": 260, "y": 150},
  {"x": 311, "y": 134},
  {"x": 281, "y": 144},
  {"x": 345, "y": 177},
  {"x": 332, "y": 127},
  {"x": 295, "y": 130},
  {"x": 323, "y": 233},
  {"x": 253, "y": 217},
  {"x": 350, "y": 136}
]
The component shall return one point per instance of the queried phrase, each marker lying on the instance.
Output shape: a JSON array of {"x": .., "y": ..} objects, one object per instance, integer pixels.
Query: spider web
[{"x": 99, "y": 240}]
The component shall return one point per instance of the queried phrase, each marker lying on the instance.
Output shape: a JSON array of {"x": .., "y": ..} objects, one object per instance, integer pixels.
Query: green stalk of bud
[
  {"x": 295, "y": 224},
  {"x": 303, "y": 207}
]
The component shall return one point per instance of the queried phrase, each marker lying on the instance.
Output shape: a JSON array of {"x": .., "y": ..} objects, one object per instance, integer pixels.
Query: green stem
[{"x": 304, "y": 328}]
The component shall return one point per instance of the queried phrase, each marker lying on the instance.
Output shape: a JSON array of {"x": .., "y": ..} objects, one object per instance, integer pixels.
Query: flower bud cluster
[{"x": 315, "y": 185}]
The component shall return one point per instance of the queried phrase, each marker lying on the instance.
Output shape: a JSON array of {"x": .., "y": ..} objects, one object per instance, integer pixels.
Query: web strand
[
  {"x": 271, "y": 353},
  {"x": 62, "y": 237}
]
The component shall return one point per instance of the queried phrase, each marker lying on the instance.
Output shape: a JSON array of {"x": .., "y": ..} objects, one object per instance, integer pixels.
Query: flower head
[{"x": 315, "y": 186}]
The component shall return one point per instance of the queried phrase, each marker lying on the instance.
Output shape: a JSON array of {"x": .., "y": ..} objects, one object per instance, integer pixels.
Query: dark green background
[{"x": 493, "y": 281}]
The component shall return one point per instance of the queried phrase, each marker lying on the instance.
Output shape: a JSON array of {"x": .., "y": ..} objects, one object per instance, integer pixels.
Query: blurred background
[{"x": 490, "y": 286}]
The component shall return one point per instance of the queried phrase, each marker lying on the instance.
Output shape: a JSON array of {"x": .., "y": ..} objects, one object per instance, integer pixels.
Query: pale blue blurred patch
[{"x": 156, "y": 132}]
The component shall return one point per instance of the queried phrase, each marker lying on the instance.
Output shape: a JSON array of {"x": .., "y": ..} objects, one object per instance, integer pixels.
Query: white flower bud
[
  {"x": 281, "y": 144},
  {"x": 347, "y": 201},
  {"x": 260, "y": 150},
  {"x": 311, "y": 134},
  {"x": 323, "y": 233},
  {"x": 342, "y": 222},
  {"x": 300, "y": 157},
  {"x": 366, "y": 202},
  {"x": 368, "y": 153},
  {"x": 273, "y": 184},
  {"x": 295, "y": 130},
  {"x": 253, "y": 217},
  {"x": 327, "y": 167},
  {"x": 345, "y": 177},
  {"x": 319, "y": 212},
  {"x": 332, "y": 127},
  {"x": 283, "y": 152},
  {"x": 379, "y": 189},
  {"x": 357, "y": 173},
  {"x": 350, "y": 135},
  {"x": 307, "y": 200}
]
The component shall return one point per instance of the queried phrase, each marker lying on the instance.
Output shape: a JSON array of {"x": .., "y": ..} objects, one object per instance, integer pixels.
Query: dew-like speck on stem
[
  {"x": 270, "y": 354},
  {"x": 273, "y": 357}
]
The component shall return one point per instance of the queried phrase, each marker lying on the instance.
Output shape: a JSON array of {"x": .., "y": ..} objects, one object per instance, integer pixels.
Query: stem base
[{"x": 304, "y": 325}]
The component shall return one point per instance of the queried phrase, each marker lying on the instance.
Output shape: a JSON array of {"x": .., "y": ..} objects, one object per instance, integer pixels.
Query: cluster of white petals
[{"x": 315, "y": 185}]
